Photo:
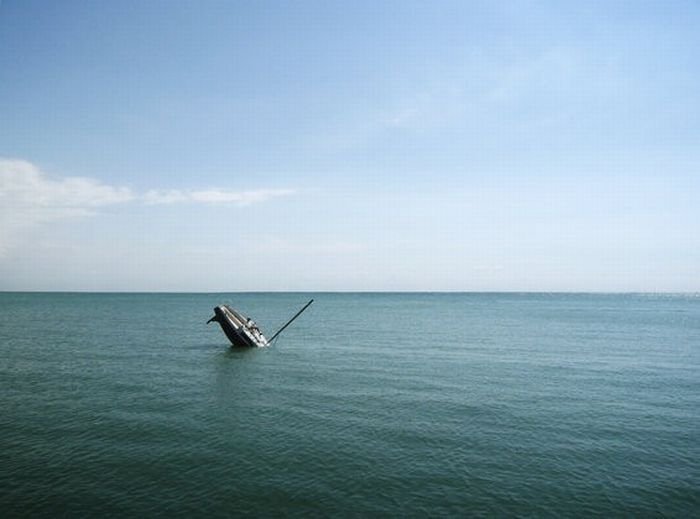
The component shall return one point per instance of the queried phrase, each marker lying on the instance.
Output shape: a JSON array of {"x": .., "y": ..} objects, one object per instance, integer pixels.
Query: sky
[{"x": 350, "y": 146}]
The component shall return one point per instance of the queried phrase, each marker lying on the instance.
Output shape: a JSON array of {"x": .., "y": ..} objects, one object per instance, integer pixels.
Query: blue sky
[{"x": 224, "y": 146}]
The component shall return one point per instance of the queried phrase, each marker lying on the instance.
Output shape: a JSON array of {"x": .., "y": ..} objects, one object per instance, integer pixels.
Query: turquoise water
[{"x": 370, "y": 404}]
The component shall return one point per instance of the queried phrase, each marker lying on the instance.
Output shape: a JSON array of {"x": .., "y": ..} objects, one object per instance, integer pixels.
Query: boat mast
[{"x": 290, "y": 321}]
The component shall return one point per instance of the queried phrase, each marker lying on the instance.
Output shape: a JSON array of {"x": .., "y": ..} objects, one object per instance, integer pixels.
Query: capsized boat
[{"x": 242, "y": 331}]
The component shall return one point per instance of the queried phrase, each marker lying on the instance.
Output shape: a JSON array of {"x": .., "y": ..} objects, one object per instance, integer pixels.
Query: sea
[{"x": 368, "y": 405}]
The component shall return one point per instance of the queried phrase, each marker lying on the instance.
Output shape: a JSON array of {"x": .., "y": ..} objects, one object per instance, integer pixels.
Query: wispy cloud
[
  {"x": 433, "y": 107},
  {"x": 214, "y": 196},
  {"x": 540, "y": 87},
  {"x": 27, "y": 192},
  {"x": 29, "y": 197}
]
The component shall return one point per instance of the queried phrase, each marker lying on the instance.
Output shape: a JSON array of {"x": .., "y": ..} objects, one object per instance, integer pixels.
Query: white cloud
[
  {"x": 156, "y": 196},
  {"x": 29, "y": 197},
  {"x": 23, "y": 186},
  {"x": 214, "y": 196}
]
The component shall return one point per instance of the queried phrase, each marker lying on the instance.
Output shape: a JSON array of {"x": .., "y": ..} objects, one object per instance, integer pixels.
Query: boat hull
[{"x": 237, "y": 328}]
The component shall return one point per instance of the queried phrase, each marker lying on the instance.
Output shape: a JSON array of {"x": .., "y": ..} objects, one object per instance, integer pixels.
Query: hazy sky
[{"x": 223, "y": 146}]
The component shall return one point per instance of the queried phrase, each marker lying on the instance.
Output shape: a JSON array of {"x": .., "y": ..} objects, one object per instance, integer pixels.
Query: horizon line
[{"x": 590, "y": 292}]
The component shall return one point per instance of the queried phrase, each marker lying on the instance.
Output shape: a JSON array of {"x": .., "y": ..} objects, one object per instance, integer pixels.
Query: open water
[{"x": 368, "y": 405}]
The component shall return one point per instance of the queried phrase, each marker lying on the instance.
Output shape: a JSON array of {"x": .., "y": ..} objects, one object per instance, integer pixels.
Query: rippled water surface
[{"x": 370, "y": 404}]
